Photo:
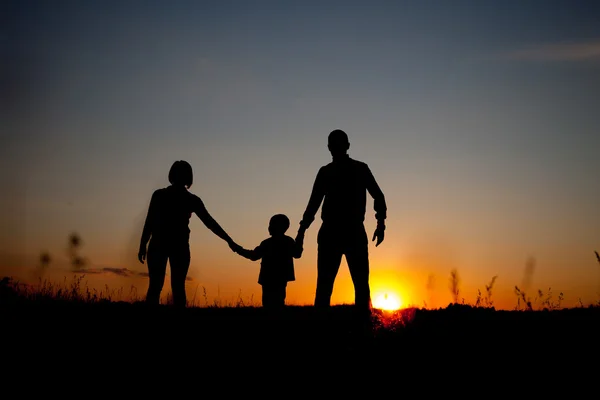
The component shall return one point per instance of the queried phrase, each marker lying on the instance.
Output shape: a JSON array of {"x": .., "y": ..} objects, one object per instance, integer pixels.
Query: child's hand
[{"x": 235, "y": 247}]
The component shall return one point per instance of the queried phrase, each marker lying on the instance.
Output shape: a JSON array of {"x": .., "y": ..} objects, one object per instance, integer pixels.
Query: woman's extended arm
[{"x": 202, "y": 213}]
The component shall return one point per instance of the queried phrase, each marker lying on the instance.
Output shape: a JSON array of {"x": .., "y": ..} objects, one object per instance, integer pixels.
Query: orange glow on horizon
[{"x": 388, "y": 301}]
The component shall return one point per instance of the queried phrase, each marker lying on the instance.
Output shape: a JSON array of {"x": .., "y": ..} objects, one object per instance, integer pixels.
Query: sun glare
[{"x": 387, "y": 301}]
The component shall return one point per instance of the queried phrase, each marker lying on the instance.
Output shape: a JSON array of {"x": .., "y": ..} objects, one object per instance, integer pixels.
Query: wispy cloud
[
  {"x": 562, "y": 51},
  {"x": 125, "y": 272}
]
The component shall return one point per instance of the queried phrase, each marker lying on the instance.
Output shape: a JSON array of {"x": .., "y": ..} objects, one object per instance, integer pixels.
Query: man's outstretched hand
[{"x": 379, "y": 235}]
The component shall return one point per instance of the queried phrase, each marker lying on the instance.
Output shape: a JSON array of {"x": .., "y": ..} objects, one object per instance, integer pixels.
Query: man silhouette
[{"x": 342, "y": 186}]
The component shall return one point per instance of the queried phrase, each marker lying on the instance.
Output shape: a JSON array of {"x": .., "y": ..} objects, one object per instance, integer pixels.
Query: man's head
[
  {"x": 278, "y": 224},
  {"x": 337, "y": 142}
]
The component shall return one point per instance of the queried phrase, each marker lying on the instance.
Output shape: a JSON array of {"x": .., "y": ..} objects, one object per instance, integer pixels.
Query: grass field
[{"x": 63, "y": 321}]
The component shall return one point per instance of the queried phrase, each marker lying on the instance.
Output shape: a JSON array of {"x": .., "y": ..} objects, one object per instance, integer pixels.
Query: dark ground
[
  {"x": 65, "y": 337},
  {"x": 303, "y": 329}
]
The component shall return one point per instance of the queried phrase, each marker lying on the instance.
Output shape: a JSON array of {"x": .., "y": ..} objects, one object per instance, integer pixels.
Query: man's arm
[
  {"x": 379, "y": 206},
  {"x": 314, "y": 202},
  {"x": 299, "y": 244},
  {"x": 376, "y": 193}
]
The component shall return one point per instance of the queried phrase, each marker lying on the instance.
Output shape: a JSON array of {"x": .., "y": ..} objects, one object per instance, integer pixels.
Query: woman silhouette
[{"x": 167, "y": 229}]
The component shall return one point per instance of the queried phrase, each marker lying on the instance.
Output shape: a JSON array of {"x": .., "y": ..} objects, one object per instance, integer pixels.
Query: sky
[{"x": 479, "y": 119}]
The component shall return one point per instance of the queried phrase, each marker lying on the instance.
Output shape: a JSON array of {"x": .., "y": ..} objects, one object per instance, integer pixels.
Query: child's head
[
  {"x": 278, "y": 224},
  {"x": 181, "y": 174}
]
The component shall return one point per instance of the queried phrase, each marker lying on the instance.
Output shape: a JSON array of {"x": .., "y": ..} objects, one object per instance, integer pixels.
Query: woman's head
[{"x": 181, "y": 174}]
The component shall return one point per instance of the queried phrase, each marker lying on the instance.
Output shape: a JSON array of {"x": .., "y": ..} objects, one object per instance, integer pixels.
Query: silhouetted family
[{"x": 341, "y": 187}]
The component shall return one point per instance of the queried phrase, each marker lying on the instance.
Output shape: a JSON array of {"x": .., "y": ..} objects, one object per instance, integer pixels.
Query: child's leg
[
  {"x": 280, "y": 294},
  {"x": 157, "y": 267},
  {"x": 267, "y": 295}
]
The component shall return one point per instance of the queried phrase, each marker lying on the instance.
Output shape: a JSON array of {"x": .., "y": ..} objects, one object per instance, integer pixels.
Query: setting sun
[{"x": 387, "y": 301}]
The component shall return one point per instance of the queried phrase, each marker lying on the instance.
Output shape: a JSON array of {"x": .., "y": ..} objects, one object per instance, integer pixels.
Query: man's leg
[
  {"x": 329, "y": 257},
  {"x": 357, "y": 257}
]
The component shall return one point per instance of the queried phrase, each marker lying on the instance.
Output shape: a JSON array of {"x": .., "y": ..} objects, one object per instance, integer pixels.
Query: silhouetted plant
[
  {"x": 522, "y": 296},
  {"x": 486, "y": 301},
  {"x": 597, "y": 259},
  {"x": 454, "y": 285},
  {"x": 561, "y": 297},
  {"x": 9, "y": 289},
  {"x": 488, "y": 290},
  {"x": 133, "y": 292},
  {"x": 77, "y": 261},
  {"x": 430, "y": 288},
  {"x": 205, "y": 295},
  {"x": 76, "y": 291},
  {"x": 43, "y": 264},
  {"x": 547, "y": 301},
  {"x": 45, "y": 259}
]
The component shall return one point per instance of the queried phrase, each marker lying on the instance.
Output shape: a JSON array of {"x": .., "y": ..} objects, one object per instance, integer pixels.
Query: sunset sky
[{"x": 479, "y": 119}]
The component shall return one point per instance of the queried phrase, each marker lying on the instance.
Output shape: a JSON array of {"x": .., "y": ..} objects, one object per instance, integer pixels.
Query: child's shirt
[{"x": 277, "y": 255}]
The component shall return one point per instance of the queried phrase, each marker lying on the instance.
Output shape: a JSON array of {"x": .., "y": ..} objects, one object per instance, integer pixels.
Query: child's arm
[{"x": 252, "y": 255}]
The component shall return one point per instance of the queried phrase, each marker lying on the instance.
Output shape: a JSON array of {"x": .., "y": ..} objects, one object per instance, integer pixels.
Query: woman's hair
[{"x": 181, "y": 174}]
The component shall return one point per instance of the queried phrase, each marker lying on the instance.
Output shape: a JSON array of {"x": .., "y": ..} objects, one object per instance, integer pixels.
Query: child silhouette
[{"x": 277, "y": 266}]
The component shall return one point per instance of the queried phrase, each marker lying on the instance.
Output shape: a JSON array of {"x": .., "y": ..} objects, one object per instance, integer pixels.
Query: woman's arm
[
  {"x": 202, "y": 213},
  {"x": 148, "y": 227}
]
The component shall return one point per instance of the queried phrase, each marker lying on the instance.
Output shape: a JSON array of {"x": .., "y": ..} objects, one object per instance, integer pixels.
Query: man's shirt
[{"x": 342, "y": 187}]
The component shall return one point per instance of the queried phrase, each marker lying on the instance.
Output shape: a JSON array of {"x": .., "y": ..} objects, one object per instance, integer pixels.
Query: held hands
[
  {"x": 301, "y": 232},
  {"x": 236, "y": 248},
  {"x": 300, "y": 235},
  {"x": 379, "y": 234}
]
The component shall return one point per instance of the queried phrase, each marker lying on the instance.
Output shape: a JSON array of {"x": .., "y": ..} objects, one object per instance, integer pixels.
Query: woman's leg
[
  {"x": 157, "y": 267},
  {"x": 179, "y": 260}
]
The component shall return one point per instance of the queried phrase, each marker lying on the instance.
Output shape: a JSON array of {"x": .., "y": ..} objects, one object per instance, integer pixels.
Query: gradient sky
[{"x": 479, "y": 119}]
